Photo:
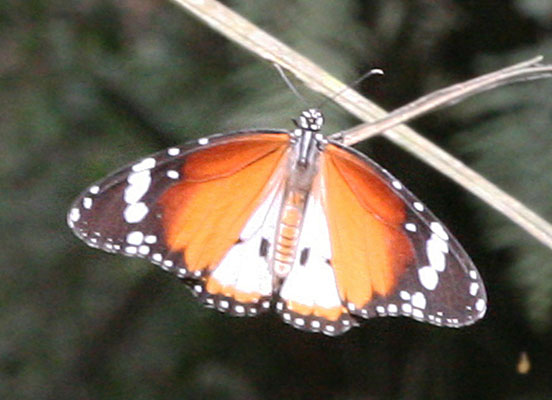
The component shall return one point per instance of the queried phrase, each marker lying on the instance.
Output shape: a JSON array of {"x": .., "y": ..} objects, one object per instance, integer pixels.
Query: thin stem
[
  {"x": 527, "y": 70},
  {"x": 238, "y": 29}
]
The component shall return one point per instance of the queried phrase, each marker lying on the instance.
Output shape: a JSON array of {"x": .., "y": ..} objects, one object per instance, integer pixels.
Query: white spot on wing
[
  {"x": 131, "y": 249},
  {"x": 418, "y": 206},
  {"x": 94, "y": 189},
  {"x": 203, "y": 141},
  {"x": 87, "y": 203},
  {"x": 139, "y": 183},
  {"x": 437, "y": 228},
  {"x": 480, "y": 305},
  {"x": 74, "y": 215},
  {"x": 428, "y": 277},
  {"x": 410, "y": 227},
  {"x": 173, "y": 151},
  {"x": 171, "y": 173},
  {"x": 440, "y": 244},
  {"x": 135, "y": 238},
  {"x": 147, "y": 163},
  {"x": 435, "y": 255},
  {"x": 474, "y": 288},
  {"x": 150, "y": 239},
  {"x": 418, "y": 300},
  {"x": 397, "y": 185},
  {"x": 404, "y": 295},
  {"x": 135, "y": 213}
]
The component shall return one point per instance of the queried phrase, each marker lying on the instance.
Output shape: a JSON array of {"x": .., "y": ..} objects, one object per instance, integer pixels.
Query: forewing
[{"x": 390, "y": 254}]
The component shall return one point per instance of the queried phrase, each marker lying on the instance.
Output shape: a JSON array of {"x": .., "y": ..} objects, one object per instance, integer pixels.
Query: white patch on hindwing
[
  {"x": 311, "y": 282},
  {"x": 314, "y": 282},
  {"x": 243, "y": 267}
]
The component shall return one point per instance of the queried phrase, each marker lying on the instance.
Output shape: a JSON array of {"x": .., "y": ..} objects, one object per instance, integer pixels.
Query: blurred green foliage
[{"x": 86, "y": 86}]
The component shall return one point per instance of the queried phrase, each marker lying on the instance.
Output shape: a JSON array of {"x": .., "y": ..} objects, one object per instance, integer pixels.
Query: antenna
[
  {"x": 289, "y": 84},
  {"x": 374, "y": 71}
]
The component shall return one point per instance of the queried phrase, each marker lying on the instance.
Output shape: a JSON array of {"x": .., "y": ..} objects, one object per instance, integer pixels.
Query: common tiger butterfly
[{"x": 287, "y": 219}]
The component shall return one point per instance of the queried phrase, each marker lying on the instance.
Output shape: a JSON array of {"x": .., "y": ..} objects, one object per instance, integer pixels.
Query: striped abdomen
[{"x": 289, "y": 228}]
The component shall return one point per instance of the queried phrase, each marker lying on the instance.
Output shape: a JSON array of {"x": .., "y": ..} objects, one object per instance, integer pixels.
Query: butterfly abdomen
[{"x": 288, "y": 232}]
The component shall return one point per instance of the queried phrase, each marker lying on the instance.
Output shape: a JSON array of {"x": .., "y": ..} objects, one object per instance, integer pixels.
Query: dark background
[{"x": 87, "y": 86}]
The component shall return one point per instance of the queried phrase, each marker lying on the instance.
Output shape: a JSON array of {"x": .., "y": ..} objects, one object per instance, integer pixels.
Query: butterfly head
[{"x": 310, "y": 120}]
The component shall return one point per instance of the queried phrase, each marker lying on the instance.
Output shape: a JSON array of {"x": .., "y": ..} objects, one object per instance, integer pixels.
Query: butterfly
[{"x": 286, "y": 220}]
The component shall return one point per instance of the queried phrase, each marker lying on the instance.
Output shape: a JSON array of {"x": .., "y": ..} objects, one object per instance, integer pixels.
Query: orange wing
[
  {"x": 204, "y": 211},
  {"x": 221, "y": 187},
  {"x": 369, "y": 249}
]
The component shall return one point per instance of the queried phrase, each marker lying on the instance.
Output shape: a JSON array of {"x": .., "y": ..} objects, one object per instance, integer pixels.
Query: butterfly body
[
  {"x": 290, "y": 219},
  {"x": 306, "y": 145}
]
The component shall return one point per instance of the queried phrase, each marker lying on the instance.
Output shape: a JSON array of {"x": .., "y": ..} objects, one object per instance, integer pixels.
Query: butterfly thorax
[{"x": 303, "y": 167}]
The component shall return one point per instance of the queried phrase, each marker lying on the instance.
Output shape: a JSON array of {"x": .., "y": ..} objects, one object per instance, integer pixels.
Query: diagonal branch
[{"x": 238, "y": 29}]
